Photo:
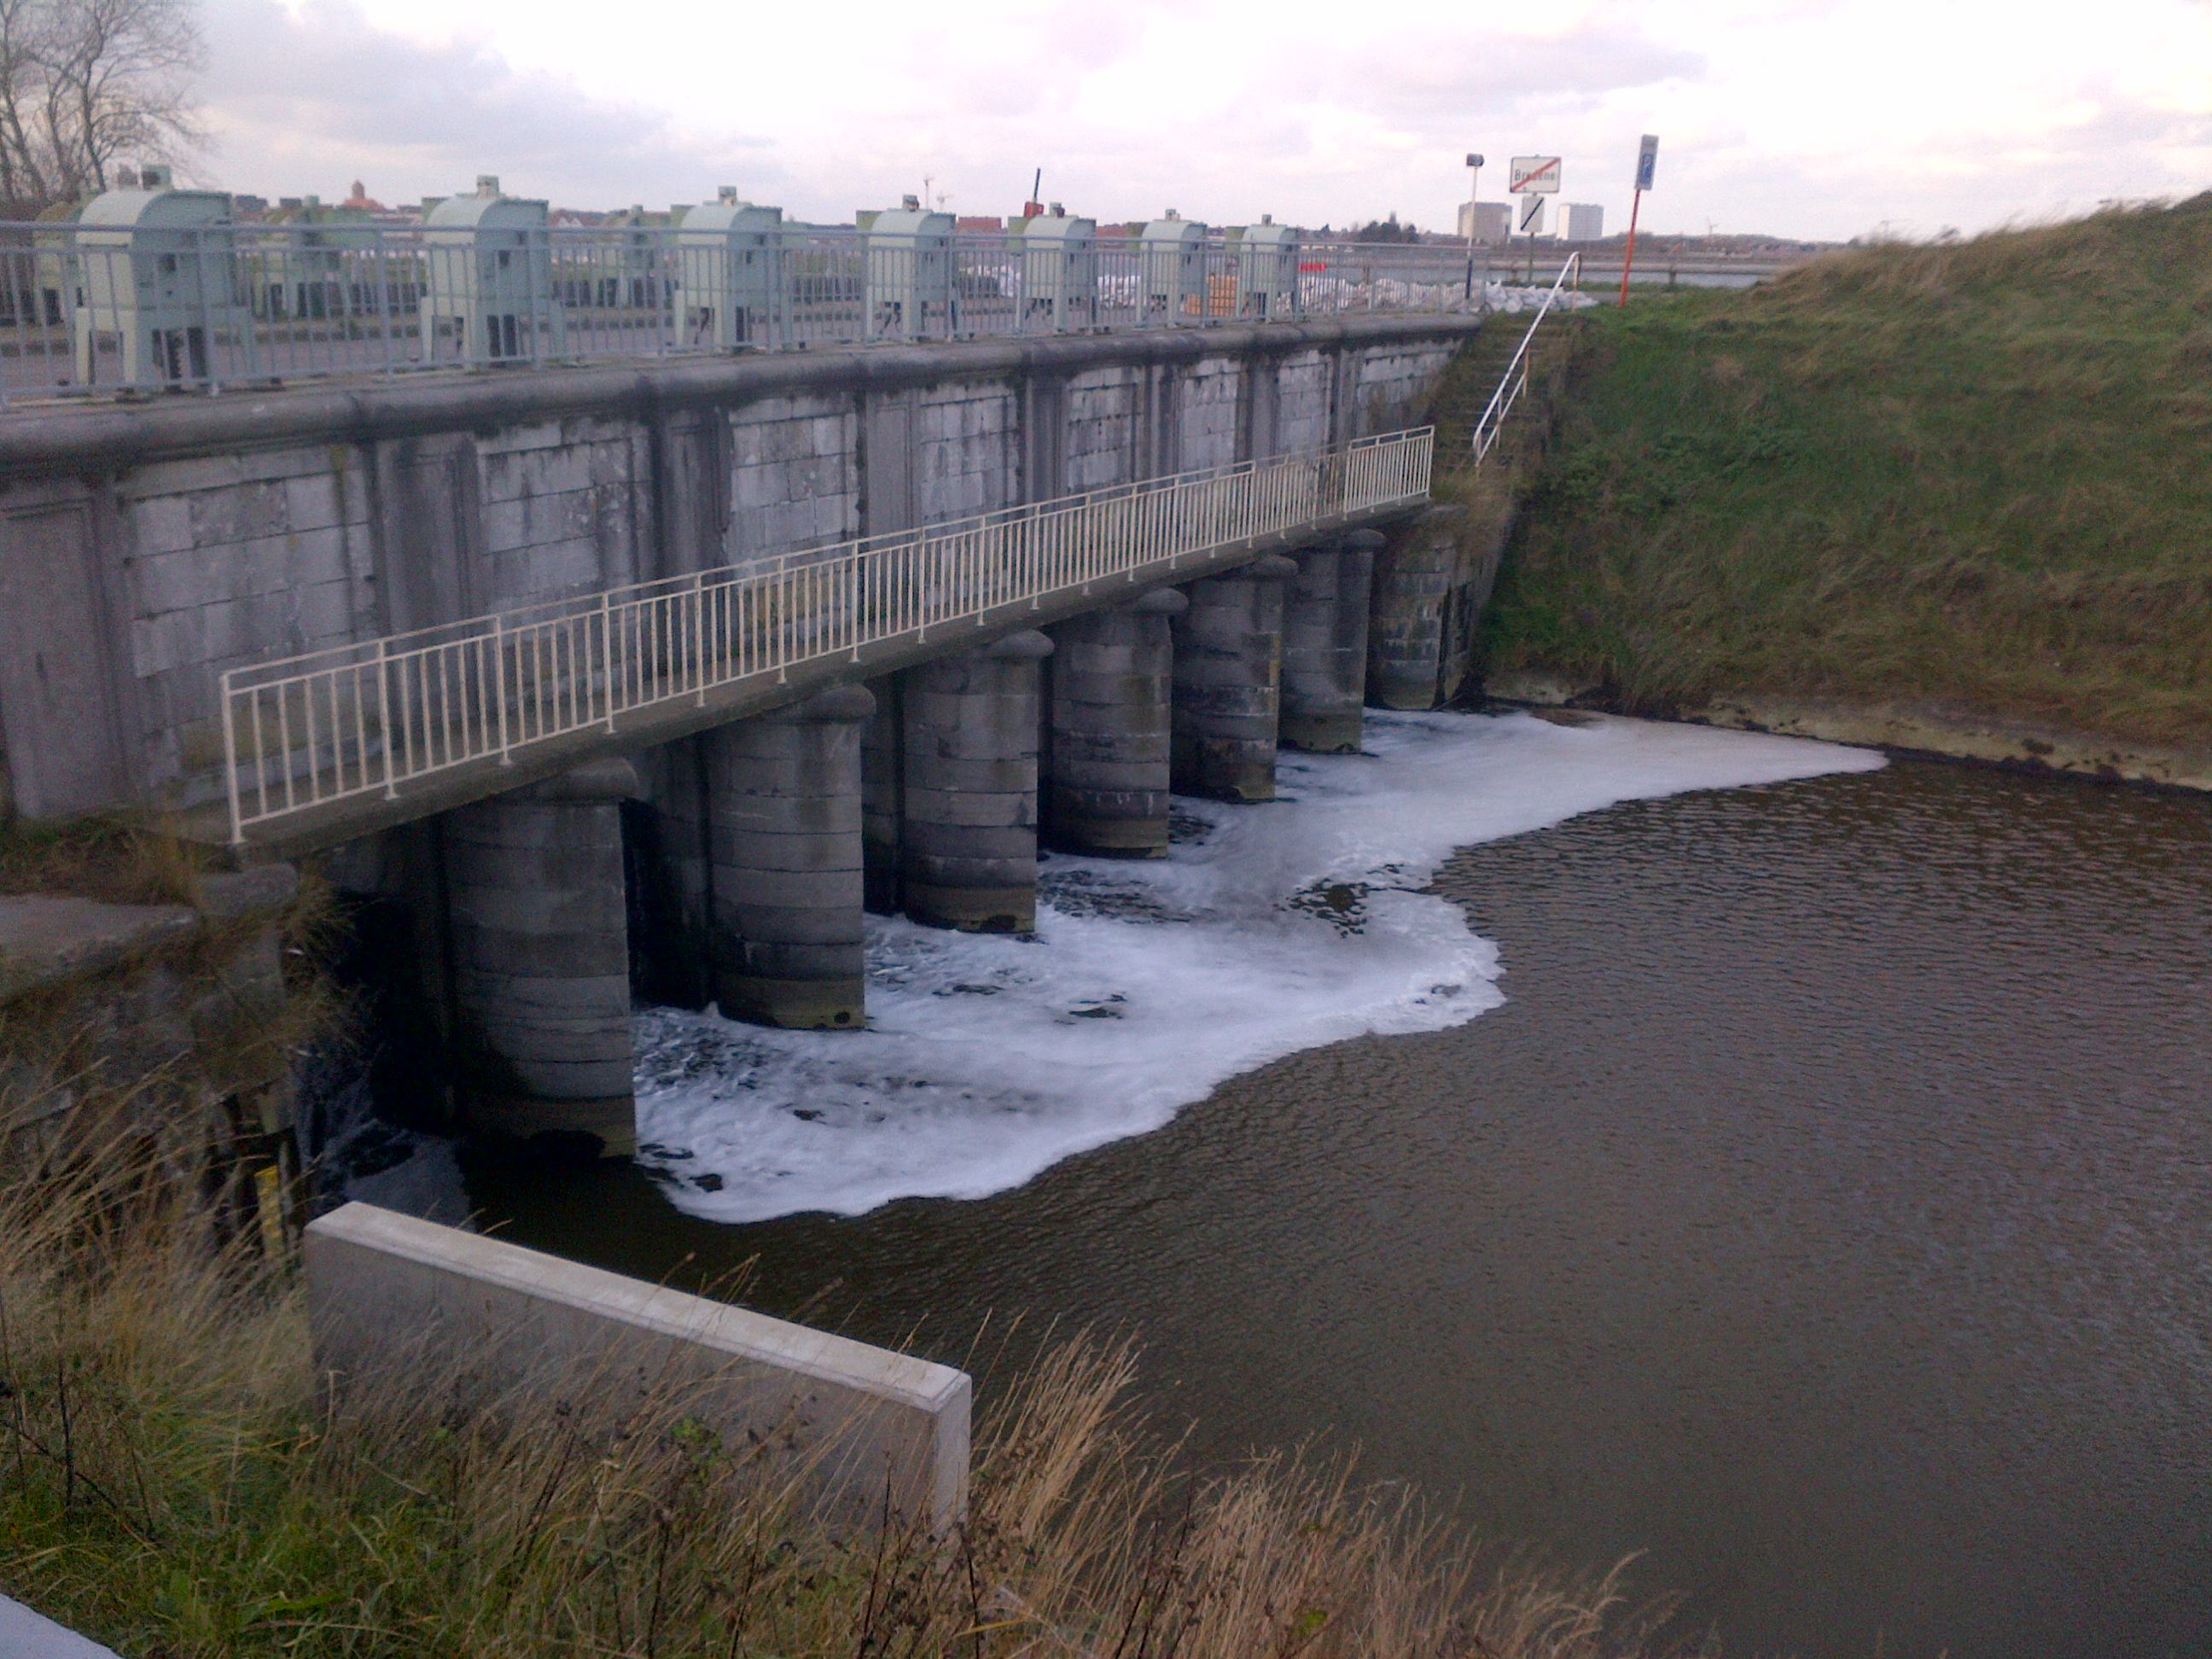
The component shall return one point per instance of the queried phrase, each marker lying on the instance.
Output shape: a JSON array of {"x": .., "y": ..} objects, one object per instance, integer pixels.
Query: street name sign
[{"x": 1534, "y": 172}]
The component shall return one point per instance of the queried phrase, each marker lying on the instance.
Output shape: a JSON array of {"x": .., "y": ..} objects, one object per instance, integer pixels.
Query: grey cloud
[
  {"x": 2125, "y": 149},
  {"x": 1417, "y": 80},
  {"x": 328, "y": 77}
]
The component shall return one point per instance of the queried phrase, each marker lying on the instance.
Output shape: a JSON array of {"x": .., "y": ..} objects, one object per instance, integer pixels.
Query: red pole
[{"x": 1628, "y": 261}]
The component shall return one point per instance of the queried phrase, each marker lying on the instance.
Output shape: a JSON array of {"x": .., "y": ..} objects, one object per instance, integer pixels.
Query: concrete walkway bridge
[
  {"x": 323, "y": 747},
  {"x": 664, "y": 673}
]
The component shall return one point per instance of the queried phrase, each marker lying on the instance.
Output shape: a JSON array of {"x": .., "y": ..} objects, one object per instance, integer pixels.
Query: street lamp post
[{"x": 1474, "y": 178}]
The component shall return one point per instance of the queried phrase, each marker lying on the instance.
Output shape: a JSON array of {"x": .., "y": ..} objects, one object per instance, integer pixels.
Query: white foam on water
[{"x": 1267, "y": 930}]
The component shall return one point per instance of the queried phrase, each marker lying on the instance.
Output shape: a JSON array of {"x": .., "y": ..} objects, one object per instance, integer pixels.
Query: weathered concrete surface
[
  {"x": 396, "y": 1301},
  {"x": 1433, "y": 580},
  {"x": 783, "y": 831},
  {"x": 541, "y": 959},
  {"x": 1110, "y": 728},
  {"x": 1325, "y": 645},
  {"x": 1228, "y": 681},
  {"x": 145, "y": 549},
  {"x": 883, "y": 792},
  {"x": 27, "y": 1635},
  {"x": 170, "y": 1014},
  {"x": 1413, "y": 579},
  {"x": 47, "y": 938},
  {"x": 967, "y": 835}
]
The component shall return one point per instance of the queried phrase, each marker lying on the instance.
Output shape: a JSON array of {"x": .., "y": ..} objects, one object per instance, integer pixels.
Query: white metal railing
[
  {"x": 373, "y": 718},
  {"x": 1515, "y": 381},
  {"x": 87, "y": 310}
]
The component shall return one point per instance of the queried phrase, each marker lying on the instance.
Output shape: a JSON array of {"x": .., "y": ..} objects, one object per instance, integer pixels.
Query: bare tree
[
  {"x": 23, "y": 78},
  {"x": 85, "y": 83}
]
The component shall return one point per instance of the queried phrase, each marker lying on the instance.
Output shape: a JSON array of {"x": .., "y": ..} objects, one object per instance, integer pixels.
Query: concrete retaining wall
[
  {"x": 144, "y": 549},
  {"x": 173, "y": 1011},
  {"x": 393, "y": 1299}
]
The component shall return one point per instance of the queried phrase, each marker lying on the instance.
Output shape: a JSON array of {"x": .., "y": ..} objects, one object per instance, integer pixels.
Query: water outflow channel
[{"x": 1803, "y": 1182}]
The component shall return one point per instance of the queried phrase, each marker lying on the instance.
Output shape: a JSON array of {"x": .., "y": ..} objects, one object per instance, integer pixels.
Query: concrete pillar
[
  {"x": 1406, "y": 636},
  {"x": 1325, "y": 645},
  {"x": 1112, "y": 673},
  {"x": 968, "y": 843},
  {"x": 882, "y": 791},
  {"x": 541, "y": 959},
  {"x": 783, "y": 831},
  {"x": 1228, "y": 678}
]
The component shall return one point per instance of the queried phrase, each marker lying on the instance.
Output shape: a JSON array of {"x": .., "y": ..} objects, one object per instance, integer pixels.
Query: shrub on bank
[{"x": 1968, "y": 476}]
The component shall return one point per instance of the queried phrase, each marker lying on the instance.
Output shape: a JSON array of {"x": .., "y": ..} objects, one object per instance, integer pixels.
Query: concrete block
[
  {"x": 316, "y": 502},
  {"x": 568, "y": 896},
  {"x": 809, "y": 889},
  {"x": 390, "y": 1296},
  {"x": 962, "y": 807},
  {"x": 536, "y": 1048},
  {"x": 46, "y": 939},
  {"x": 943, "y": 844},
  {"x": 585, "y": 953},
  {"x": 27, "y": 1635},
  {"x": 829, "y": 841},
  {"x": 227, "y": 896},
  {"x": 160, "y": 524},
  {"x": 570, "y": 997},
  {"x": 757, "y": 933},
  {"x": 241, "y": 513}
]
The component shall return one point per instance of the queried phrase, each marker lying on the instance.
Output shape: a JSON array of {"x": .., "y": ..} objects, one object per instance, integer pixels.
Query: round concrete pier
[
  {"x": 1325, "y": 645},
  {"x": 783, "y": 837},
  {"x": 1406, "y": 639},
  {"x": 1228, "y": 668},
  {"x": 1112, "y": 673},
  {"x": 883, "y": 782},
  {"x": 968, "y": 838},
  {"x": 541, "y": 960}
]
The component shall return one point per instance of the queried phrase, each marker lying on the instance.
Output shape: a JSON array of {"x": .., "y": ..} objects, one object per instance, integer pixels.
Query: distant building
[
  {"x": 1582, "y": 221},
  {"x": 1493, "y": 220},
  {"x": 980, "y": 224}
]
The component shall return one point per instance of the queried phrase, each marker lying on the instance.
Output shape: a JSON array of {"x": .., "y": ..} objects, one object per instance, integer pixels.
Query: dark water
[{"x": 1827, "y": 1213}]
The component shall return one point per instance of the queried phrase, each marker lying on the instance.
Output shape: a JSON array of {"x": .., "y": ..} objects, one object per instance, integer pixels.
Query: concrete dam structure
[{"x": 674, "y": 668}]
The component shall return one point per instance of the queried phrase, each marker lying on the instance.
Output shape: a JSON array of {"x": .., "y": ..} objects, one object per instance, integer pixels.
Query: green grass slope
[{"x": 1974, "y": 477}]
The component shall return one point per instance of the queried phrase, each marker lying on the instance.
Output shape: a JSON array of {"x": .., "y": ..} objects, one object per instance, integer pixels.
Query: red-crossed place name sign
[{"x": 1534, "y": 172}]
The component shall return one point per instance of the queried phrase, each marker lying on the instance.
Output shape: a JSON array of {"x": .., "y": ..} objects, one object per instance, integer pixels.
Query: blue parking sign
[{"x": 1646, "y": 159}]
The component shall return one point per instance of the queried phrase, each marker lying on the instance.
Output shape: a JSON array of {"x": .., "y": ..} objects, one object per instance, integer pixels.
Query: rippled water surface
[{"x": 1826, "y": 1211}]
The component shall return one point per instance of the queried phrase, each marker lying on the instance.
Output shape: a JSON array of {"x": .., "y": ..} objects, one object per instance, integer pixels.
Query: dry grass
[
  {"x": 119, "y": 861},
  {"x": 1970, "y": 474},
  {"x": 170, "y": 1482}
]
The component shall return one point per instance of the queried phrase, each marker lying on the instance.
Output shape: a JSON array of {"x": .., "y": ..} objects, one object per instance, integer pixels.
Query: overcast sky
[{"x": 1818, "y": 118}]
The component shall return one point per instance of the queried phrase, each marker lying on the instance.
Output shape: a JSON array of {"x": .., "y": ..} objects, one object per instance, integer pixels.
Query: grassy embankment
[
  {"x": 171, "y": 1483},
  {"x": 1969, "y": 485}
]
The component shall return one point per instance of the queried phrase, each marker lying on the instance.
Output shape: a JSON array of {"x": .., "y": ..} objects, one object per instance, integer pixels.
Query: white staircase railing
[
  {"x": 371, "y": 719},
  {"x": 1515, "y": 381}
]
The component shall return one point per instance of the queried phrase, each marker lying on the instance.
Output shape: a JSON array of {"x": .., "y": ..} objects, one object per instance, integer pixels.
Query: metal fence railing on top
[
  {"x": 88, "y": 309},
  {"x": 377, "y": 718}
]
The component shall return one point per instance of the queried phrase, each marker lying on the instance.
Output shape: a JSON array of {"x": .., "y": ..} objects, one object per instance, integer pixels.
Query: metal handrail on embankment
[
  {"x": 371, "y": 719},
  {"x": 1515, "y": 381}
]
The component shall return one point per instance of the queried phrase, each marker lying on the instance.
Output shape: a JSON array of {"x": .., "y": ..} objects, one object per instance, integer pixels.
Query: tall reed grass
[{"x": 174, "y": 1482}]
